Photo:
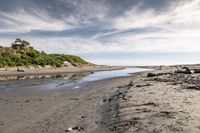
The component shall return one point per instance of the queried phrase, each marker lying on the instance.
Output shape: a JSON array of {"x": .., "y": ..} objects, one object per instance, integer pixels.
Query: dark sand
[{"x": 37, "y": 111}]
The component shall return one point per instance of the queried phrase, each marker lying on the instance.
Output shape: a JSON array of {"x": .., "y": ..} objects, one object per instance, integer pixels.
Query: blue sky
[{"x": 114, "y": 32}]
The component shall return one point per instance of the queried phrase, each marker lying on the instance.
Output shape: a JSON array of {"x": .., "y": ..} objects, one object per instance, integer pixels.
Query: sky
[{"x": 112, "y": 32}]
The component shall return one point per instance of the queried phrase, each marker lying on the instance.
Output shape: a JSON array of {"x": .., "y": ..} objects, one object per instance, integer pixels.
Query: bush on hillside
[{"x": 22, "y": 54}]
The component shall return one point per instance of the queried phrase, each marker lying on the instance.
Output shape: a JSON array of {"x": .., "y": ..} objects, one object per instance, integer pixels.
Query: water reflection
[
  {"x": 71, "y": 76},
  {"x": 66, "y": 81}
]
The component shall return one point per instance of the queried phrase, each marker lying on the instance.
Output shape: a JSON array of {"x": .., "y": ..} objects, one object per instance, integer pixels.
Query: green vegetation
[{"x": 22, "y": 54}]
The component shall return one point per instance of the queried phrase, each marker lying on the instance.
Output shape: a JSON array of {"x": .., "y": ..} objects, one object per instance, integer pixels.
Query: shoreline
[{"x": 52, "y": 71}]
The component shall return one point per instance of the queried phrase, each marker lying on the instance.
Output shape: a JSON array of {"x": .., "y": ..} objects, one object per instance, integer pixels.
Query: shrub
[{"x": 22, "y": 54}]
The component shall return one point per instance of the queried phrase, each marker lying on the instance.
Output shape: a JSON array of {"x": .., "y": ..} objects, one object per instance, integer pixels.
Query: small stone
[
  {"x": 74, "y": 99},
  {"x": 131, "y": 83},
  {"x": 27, "y": 101},
  {"x": 68, "y": 130},
  {"x": 89, "y": 98},
  {"x": 39, "y": 99},
  {"x": 152, "y": 75},
  {"x": 20, "y": 70},
  {"x": 82, "y": 116},
  {"x": 104, "y": 100}
]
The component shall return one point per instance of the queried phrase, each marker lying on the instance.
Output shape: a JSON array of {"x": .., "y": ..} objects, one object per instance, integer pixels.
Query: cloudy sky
[{"x": 114, "y": 32}]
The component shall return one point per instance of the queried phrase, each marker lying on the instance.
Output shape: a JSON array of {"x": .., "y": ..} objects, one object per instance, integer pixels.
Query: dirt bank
[{"x": 49, "y": 71}]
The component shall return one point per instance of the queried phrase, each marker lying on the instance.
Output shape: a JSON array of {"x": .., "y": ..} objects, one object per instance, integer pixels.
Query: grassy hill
[{"x": 20, "y": 53}]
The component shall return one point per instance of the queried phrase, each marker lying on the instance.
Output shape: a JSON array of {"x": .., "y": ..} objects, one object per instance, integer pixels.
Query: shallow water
[
  {"x": 71, "y": 81},
  {"x": 111, "y": 74}
]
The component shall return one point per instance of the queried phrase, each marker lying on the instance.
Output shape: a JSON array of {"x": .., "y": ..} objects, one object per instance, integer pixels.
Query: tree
[
  {"x": 19, "y": 44},
  {"x": 25, "y": 43}
]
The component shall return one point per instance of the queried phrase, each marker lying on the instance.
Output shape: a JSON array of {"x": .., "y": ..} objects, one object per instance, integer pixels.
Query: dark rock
[
  {"x": 82, "y": 116},
  {"x": 20, "y": 70},
  {"x": 74, "y": 98},
  {"x": 142, "y": 85},
  {"x": 184, "y": 67},
  {"x": 185, "y": 70},
  {"x": 90, "y": 98},
  {"x": 195, "y": 87},
  {"x": 26, "y": 101},
  {"x": 76, "y": 128},
  {"x": 104, "y": 100},
  {"x": 146, "y": 104},
  {"x": 196, "y": 70},
  {"x": 152, "y": 75},
  {"x": 39, "y": 99},
  {"x": 131, "y": 83},
  {"x": 167, "y": 114}
]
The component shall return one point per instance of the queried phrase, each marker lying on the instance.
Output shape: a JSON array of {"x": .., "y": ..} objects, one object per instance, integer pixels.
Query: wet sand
[
  {"x": 36, "y": 111},
  {"x": 168, "y": 102}
]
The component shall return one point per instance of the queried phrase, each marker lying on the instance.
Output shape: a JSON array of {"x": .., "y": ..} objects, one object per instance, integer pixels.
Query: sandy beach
[{"x": 167, "y": 102}]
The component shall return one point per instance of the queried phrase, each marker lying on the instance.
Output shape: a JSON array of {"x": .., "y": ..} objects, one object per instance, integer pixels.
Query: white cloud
[
  {"x": 24, "y": 22},
  {"x": 185, "y": 14},
  {"x": 85, "y": 13},
  {"x": 179, "y": 29},
  {"x": 147, "y": 61}
]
